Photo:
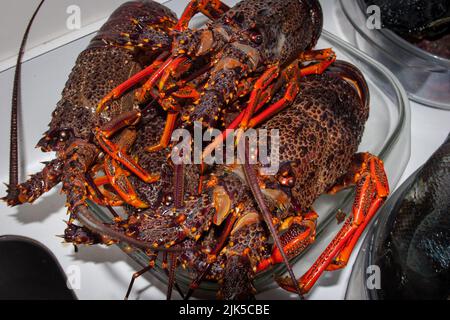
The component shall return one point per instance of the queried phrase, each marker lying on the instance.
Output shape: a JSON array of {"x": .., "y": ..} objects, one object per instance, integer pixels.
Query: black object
[
  {"x": 417, "y": 18},
  {"x": 29, "y": 271},
  {"x": 412, "y": 244}
]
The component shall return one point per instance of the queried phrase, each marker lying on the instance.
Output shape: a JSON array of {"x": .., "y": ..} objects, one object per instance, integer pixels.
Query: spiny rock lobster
[
  {"x": 320, "y": 134},
  {"x": 134, "y": 36}
]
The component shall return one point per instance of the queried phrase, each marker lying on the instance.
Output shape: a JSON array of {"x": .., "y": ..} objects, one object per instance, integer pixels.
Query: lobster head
[
  {"x": 279, "y": 30},
  {"x": 266, "y": 31}
]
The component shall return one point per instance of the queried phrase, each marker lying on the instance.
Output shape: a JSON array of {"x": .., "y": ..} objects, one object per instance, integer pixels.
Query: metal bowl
[{"x": 426, "y": 77}]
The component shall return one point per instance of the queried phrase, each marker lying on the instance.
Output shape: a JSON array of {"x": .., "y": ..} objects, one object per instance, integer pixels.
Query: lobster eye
[
  {"x": 256, "y": 37},
  {"x": 63, "y": 135},
  {"x": 228, "y": 20}
]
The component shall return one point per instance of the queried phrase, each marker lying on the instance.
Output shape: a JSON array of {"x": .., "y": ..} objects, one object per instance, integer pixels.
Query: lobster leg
[
  {"x": 97, "y": 191},
  {"x": 263, "y": 90},
  {"x": 213, "y": 9},
  {"x": 213, "y": 255},
  {"x": 134, "y": 80},
  {"x": 140, "y": 273},
  {"x": 124, "y": 120},
  {"x": 119, "y": 181},
  {"x": 145, "y": 270},
  {"x": 118, "y": 177},
  {"x": 301, "y": 231},
  {"x": 170, "y": 64},
  {"x": 291, "y": 93},
  {"x": 325, "y": 57},
  {"x": 261, "y": 84},
  {"x": 117, "y": 152},
  {"x": 371, "y": 191},
  {"x": 101, "y": 196},
  {"x": 167, "y": 133},
  {"x": 264, "y": 97}
]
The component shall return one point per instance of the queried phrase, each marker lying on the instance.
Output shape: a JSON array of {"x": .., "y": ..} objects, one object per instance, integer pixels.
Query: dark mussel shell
[
  {"x": 415, "y": 18},
  {"x": 413, "y": 247}
]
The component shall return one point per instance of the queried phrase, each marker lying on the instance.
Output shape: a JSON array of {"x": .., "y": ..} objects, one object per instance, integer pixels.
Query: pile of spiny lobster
[{"x": 147, "y": 73}]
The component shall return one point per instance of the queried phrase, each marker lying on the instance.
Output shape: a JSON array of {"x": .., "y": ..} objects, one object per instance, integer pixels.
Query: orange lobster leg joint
[
  {"x": 187, "y": 92},
  {"x": 213, "y": 9},
  {"x": 117, "y": 154},
  {"x": 177, "y": 67},
  {"x": 167, "y": 134},
  {"x": 124, "y": 120},
  {"x": 119, "y": 181},
  {"x": 299, "y": 235},
  {"x": 325, "y": 57},
  {"x": 101, "y": 181},
  {"x": 371, "y": 191},
  {"x": 134, "y": 80},
  {"x": 291, "y": 93},
  {"x": 108, "y": 198},
  {"x": 169, "y": 64},
  {"x": 261, "y": 84}
]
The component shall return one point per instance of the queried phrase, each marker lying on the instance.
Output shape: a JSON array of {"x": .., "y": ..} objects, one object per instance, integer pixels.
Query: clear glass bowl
[
  {"x": 387, "y": 134},
  {"x": 426, "y": 77}
]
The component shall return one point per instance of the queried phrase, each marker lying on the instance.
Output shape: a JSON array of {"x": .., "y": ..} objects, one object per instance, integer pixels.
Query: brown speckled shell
[{"x": 319, "y": 134}]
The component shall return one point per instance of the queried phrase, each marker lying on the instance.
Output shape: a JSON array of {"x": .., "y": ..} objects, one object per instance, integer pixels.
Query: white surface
[
  {"x": 105, "y": 272},
  {"x": 49, "y": 24}
]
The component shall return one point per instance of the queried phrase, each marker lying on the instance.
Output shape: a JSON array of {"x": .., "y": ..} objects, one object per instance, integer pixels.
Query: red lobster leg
[
  {"x": 264, "y": 88},
  {"x": 371, "y": 191},
  {"x": 119, "y": 181},
  {"x": 300, "y": 234},
  {"x": 325, "y": 57},
  {"x": 124, "y": 120},
  {"x": 116, "y": 152},
  {"x": 167, "y": 133},
  {"x": 213, "y": 9},
  {"x": 261, "y": 84},
  {"x": 118, "y": 177},
  {"x": 170, "y": 64},
  {"x": 134, "y": 80}
]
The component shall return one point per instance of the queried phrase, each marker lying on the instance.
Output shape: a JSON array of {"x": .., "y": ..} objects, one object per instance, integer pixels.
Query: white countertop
[{"x": 105, "y": 272}]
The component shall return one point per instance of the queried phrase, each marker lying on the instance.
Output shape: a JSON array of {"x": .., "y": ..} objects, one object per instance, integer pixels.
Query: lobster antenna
[
  {"x": 252, "y": 181},
  {"x": 13, "y": 151}
]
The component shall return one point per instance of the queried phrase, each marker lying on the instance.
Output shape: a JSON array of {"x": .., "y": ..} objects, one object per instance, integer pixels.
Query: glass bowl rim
[{"x": 391, "y": 36}]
